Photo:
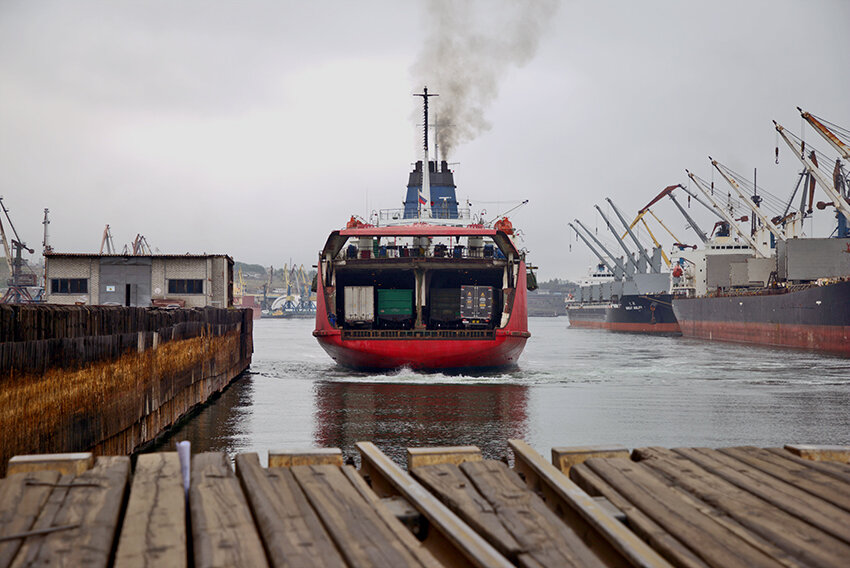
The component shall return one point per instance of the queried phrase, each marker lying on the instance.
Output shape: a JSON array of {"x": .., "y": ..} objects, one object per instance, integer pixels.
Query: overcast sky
[{"x": 255, "y": 128}]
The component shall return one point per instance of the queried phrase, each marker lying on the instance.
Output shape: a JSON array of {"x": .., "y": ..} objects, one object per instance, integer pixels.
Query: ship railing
[
  {"x": 402, "y": 216},
  {"x": 487, "y": 252}
]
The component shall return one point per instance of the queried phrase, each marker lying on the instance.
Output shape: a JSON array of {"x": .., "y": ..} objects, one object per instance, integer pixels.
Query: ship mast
[{"x": 424, "y": 209}]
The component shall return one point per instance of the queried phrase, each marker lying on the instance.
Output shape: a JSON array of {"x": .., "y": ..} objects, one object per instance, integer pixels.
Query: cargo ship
[
  {"x": 426, "y": 287},
  {"x": 630, "y": 293},
  {"x": 775, "y": 286}
]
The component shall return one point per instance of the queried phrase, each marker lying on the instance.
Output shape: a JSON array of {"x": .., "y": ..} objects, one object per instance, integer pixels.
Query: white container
[{"x": 359, "y": 304}]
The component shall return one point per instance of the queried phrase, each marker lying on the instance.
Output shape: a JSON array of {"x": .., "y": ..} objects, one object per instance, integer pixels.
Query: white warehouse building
[{"x": 139, "y": 280}]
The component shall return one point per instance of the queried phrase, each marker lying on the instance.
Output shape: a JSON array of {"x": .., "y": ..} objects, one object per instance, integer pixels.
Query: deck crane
[
  {"x": 619, "y": 265},
  {"x": 838, "y": 200},
  {"x": 632, "y": 261},
  {"x": 726, "y": 216},
  {"x": 757, "y": 211},
  {"x": 668, "y": 192},
  {"x": 601, "y": 258},
  {"x": 641, "y": 250},
  {"x": 828, "y": 135}
]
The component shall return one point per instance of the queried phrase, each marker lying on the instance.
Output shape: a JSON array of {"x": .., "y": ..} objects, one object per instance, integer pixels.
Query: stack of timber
[
  {"x": 110, "y": 379},
  {"x": 656, "y": 508}
]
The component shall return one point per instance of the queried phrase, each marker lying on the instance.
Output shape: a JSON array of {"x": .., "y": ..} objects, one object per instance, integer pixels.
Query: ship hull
[
  {"x": 815, "y": 318},
  {"x": 651, "y": 313},
  {"x": 503, "y": 350}
]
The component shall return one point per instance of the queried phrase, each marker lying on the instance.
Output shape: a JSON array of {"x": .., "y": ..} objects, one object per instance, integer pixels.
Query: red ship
[
  {"x": 422, "y": 295},
  {"x": 423, "y": 287}
]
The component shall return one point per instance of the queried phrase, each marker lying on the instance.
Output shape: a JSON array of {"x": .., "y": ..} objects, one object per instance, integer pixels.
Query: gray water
[{"x": 572, "y": 387}]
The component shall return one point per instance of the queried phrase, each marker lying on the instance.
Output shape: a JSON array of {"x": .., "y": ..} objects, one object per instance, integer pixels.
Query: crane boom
[
  {"x": 837, "y": 199},
  {"x": 640, "y": 248},
  {"x": 728, "y": 218},
  {"x": 614, "y": 259},
  {"x": 601, "y": 258},
  {"x": 842, "y": 148},
  {"x": 756, "y": 210},
  {"x": 619, "y": 240},
  {"x": 700, "y": 233}
]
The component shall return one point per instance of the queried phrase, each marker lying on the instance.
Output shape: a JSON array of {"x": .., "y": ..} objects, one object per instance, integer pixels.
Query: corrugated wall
[{"x": 109, "y": 379}]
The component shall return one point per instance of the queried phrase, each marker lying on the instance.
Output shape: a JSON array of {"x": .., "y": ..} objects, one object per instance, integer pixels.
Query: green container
[{"x": 395, "y": 304}]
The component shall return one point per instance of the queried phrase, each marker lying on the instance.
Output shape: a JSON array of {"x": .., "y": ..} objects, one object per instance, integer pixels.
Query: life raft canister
[
  {"x": 677, "y": 272},
  {"x": 504, "y": 225}
]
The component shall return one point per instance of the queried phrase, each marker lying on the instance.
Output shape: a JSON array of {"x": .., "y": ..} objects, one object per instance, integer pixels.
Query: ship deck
[{"x": 592, "y": 506}]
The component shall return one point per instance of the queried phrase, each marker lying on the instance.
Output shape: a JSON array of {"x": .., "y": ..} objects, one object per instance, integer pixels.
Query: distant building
[{"x": 139, "y": 280}]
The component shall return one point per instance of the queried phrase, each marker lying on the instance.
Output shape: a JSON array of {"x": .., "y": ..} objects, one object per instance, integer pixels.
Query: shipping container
[
  {"x": 444, "y": 304},
  {"x": 476, "y": 306},
  {"x": 359, "y": 304},
  {"x": 395, "y": 304}
]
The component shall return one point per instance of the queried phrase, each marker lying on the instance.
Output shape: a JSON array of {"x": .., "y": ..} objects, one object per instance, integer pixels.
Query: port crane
[
  {"x": 19, "y": 281},
  {"x": 106, "y": 241}
]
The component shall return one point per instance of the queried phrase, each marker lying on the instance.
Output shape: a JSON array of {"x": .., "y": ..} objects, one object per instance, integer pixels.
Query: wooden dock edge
[
  {"x": 66, "y": 464},
  {"x": 442, "y": 454},
  {"x": 388, "y": 479},
  {"x": 578, "y": 508},
  {"x": 839, "y": 454}
]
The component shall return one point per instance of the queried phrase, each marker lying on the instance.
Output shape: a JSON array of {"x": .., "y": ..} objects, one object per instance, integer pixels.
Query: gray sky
[{"x": 255, "y": 128}]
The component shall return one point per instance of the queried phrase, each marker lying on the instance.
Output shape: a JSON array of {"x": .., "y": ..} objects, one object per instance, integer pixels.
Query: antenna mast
[{"x": 425, "y": 193}]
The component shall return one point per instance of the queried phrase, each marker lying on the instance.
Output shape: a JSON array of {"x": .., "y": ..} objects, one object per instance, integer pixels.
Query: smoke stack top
[{"x": 469, "y": 48}]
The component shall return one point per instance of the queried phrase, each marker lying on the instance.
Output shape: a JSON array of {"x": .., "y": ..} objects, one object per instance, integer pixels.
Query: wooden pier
[{"x": 591, "y": 506}]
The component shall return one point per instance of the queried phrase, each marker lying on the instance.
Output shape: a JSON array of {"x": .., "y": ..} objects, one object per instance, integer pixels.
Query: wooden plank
[
  {"x": 310, "y": 456},
  {"x": 565, "y": 457},
  {"x": 456, "y": 539},
  {"x": 74, "y": 464},
  {"x": 91, "y": 503},
  {"x": 455, "y": 489},
  {"x": 223, "y": 531},
  {"x": 797, "y": 539},
  {"x": 154, "y": 529},
  {"x": 583, "y": 513},
  {"x": 22, "y": 497},
  {"x": 813, "y": 510},
  {"x": 359, "y": 533},
  {"x": 651, "y": 532},
  {"x": 405, "y": 536},
  {"x": 537, "y": 529},
  {"x": 810, "y": 480},
  {"x": 714, "y": 542},
  {"x": 291, "y": 530},
  {"x": 417, "y": 457},
  {"x": 837, "y": 470},
  {"x": 840, "y": 454}
]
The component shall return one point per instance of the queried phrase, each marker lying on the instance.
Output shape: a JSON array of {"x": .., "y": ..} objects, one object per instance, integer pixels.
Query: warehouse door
[{"x": 125, "y": 281}]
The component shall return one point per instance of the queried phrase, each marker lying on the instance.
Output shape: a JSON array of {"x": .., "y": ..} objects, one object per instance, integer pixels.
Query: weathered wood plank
[
  {"x": 584, "y": 514},
  {"x": 92, "y": 505},
  {"x": 662, "y": 541},
  {"x": 291, "y": 530},
  {"x": 309, "y": 456},
  {"x": 75, "y": 463},
  {"x": 154, "y": 529},
  {"x": 407, "y": 538},
  {"x": 22, "y": 497},
  {"x": 565, "y": 457},
  {"x": 539, "y": 532},
  {"x": 840, "y": 454},
  {"x": 446, "y": 454},
  {"x": 453, "y": 488},
  {"x": 714, "y": 542},
  {"x": 811, "y": 480},
  {"x": 795, "y": 538},
  {"x": 828, "y": 518},
  {"x": 359, "y": 533},
  {"x": 30, "y": 548},
  {"x": 449, "y": 534},
  {"x": 839, "y": 471},
  {"x": 223, "y": 531}
]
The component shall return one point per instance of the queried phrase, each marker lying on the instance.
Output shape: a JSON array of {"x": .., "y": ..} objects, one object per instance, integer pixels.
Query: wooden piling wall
[{"x": 109, "y": 379}]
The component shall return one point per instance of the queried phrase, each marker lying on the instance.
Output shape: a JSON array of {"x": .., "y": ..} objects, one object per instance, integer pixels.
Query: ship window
[
  {"x": 185, "y": 286},
  {"x": 69, "y": 285}
]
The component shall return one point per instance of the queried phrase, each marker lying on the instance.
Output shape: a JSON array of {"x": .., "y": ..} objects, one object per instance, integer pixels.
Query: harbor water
[{"x": 572, "y": 387}]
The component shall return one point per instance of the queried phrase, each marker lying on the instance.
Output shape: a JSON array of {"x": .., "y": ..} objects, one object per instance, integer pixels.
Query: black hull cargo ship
[{"x": 648, "y": 313}]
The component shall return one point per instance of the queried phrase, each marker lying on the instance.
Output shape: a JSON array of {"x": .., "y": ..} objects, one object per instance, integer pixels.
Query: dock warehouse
[{"x": 139, "y": 280}]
